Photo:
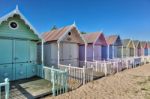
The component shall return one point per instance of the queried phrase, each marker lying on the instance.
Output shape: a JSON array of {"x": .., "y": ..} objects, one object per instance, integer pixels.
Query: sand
[{"x": 128, "y": 84}]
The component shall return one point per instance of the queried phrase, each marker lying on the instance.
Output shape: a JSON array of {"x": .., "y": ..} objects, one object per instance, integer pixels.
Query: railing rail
[
  {"x": 58, "y": 79},
  {"x": 83, "y": 75},
  {"x": 6, "y": 85}
]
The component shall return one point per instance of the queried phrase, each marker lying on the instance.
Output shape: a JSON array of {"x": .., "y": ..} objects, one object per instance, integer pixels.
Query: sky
[{"x": 127, "y": 18}]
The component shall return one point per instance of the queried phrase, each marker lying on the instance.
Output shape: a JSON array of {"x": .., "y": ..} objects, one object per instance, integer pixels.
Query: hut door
[
  {"x": 31, "y": 68},
  {"x": 21, "y": 58},
  {"x": 74, "y": 54},
  {"x": 6, "y": 59},
  {"x": 69, "y": 54},
  {"x": 97, "y": 52}
]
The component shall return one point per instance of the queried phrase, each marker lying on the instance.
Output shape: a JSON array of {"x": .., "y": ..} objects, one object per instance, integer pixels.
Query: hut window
[
  {"x": 13, "y": 25},
  {"x": 69, "y": 33}
]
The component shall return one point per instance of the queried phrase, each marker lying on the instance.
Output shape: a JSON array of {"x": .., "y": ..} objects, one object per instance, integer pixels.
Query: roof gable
[
  {"x": 95, "y": 38},
  {"x": 114, "y": 40},
  {"x": 143, "y": 44},
  {"x": 61, "y": 34},
  {"x": 128, "y": 43},
  {"x": 17, "y": 12}
]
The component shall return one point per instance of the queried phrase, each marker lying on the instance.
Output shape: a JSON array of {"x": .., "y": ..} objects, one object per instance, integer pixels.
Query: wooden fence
[
  {"x": 58, "y": 79},
  {"x": 83, "y": 75},
  {"x": 6, "y": 86}
]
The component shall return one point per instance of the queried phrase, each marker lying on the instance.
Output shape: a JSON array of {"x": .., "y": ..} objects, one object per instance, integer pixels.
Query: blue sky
[{"x": 128, "y": 18}]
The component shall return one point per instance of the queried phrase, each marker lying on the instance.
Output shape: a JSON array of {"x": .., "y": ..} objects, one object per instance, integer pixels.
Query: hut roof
[
  {"x": 136, "y": 42},
  {"x": 112, "y": 39},
  {"x": 17, "y": 12},
  {"x": 143, "y": 44},
  {"x": 92, "y": 37},
  {"x": 148, "y": 44},
  {"x": 128, "y": 43},
  {"x": 57, "y": 34}
]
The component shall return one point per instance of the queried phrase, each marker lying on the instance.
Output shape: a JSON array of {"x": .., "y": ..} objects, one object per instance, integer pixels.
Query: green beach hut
[{"x": 18, "y": 47}]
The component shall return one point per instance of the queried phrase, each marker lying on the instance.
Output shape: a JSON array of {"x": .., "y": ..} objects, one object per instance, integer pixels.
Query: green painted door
[
  {"x": 21, "y": 70},
  {"x": 6, "y": 59},
  {"x": 6, "y": 72},
  {"x": 21, "y": 58},
  {"x": 5, "y": 51},
  {"x": 31, "y": 68},
  {"x": 21, "y": 51}
]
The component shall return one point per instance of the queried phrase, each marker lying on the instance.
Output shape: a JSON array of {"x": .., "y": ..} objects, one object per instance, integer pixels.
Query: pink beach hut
[{"x": 96, "y": 47}]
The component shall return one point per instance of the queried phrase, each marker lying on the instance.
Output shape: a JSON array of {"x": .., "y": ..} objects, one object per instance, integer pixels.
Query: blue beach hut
[{"x": 114, "y": 46}]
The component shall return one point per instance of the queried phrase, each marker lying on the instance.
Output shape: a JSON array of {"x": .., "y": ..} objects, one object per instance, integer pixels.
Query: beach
[{"x": 128, "y": 84}]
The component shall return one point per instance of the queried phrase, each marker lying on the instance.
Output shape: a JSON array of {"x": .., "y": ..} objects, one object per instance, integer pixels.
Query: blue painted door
[
  {"x": 20, "y": 70},
  {"x": 6, "y": 59},
  {"x": 21, "y": 58},
  {"x": 6, "y": 72},
  {"x": 5, "y": 51},
  {"x": 31, "y": 68}
]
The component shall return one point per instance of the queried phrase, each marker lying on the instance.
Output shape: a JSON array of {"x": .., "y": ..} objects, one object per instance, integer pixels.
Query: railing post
[
  {"x": 105, "y": 68},
  {"x": 66, "y": 85},
  {"x": 6, "y": 88},
  {"x": 96, "y": 66},
  {"x": 84, "y": 75},
  {"x": 53, "y": 80},
  {"x": 69, "y": 68},
  {"x": 117, "y": 66}
]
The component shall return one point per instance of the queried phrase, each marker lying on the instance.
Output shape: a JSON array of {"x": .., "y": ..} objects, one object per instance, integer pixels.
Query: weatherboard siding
[{"x": 22, "y": 32}]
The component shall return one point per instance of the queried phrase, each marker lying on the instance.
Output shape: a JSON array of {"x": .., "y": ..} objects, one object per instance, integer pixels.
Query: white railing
[
  {"x": 6, "y": 85},
  {"x": 58, "y": 78},
  {"x": 83, "y": 75}
]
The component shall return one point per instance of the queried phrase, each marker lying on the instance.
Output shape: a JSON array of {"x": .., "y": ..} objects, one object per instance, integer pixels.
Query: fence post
[
  {"x": 7, "y": 88},
  {"x": 66, "y": 85},
  {"x": 53, "y": 81},
  {"x": 117, "y": 66},
  {"x": 69, "y": 68},
  {"x": 105, "y": 68},
  {"x": 84, "y": 75},
  {"x": 96, "y": 66}
]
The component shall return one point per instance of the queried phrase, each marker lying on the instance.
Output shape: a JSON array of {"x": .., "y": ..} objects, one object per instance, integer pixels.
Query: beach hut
[
  {"x": 18, "y": 47},
  {"x": 138, "y": 48},
  {"x": 138, "y": 51},
  {"x": 144, "y": 56},
  {"x": 148, "y": 43},
  {"x": 96, "y": 47},
  {"x": 144, "y": 46},
  {"x": 128, "y": 53},
  {"x": 128, "y": 48},
  {"x": 114, "y": 47},
  {"x": 61, "y": 46}
]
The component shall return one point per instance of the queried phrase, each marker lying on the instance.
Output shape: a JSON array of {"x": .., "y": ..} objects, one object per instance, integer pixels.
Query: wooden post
[
  {"x": 85, "y": 53},
  {"x": 69, "y": 68},
  {"x": 93, "y": 52},
  {"x": 113, "y": 51},
  {"x": 96, "y": 66},
  {"x": 66, "y": 76},
  {"x": 58, "y": 53},
  {"x": 6, "y": 88},
  {"x": 117, "y": 66},
  {"x": 105, "y": 68},
  {"x": 42, "y": 58},
  {"x": 53, "y": 81},
  {"x": 84, "y": 76},
  {"x": 108, "y": 53},
  {"x": 122, "y": 55}
]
